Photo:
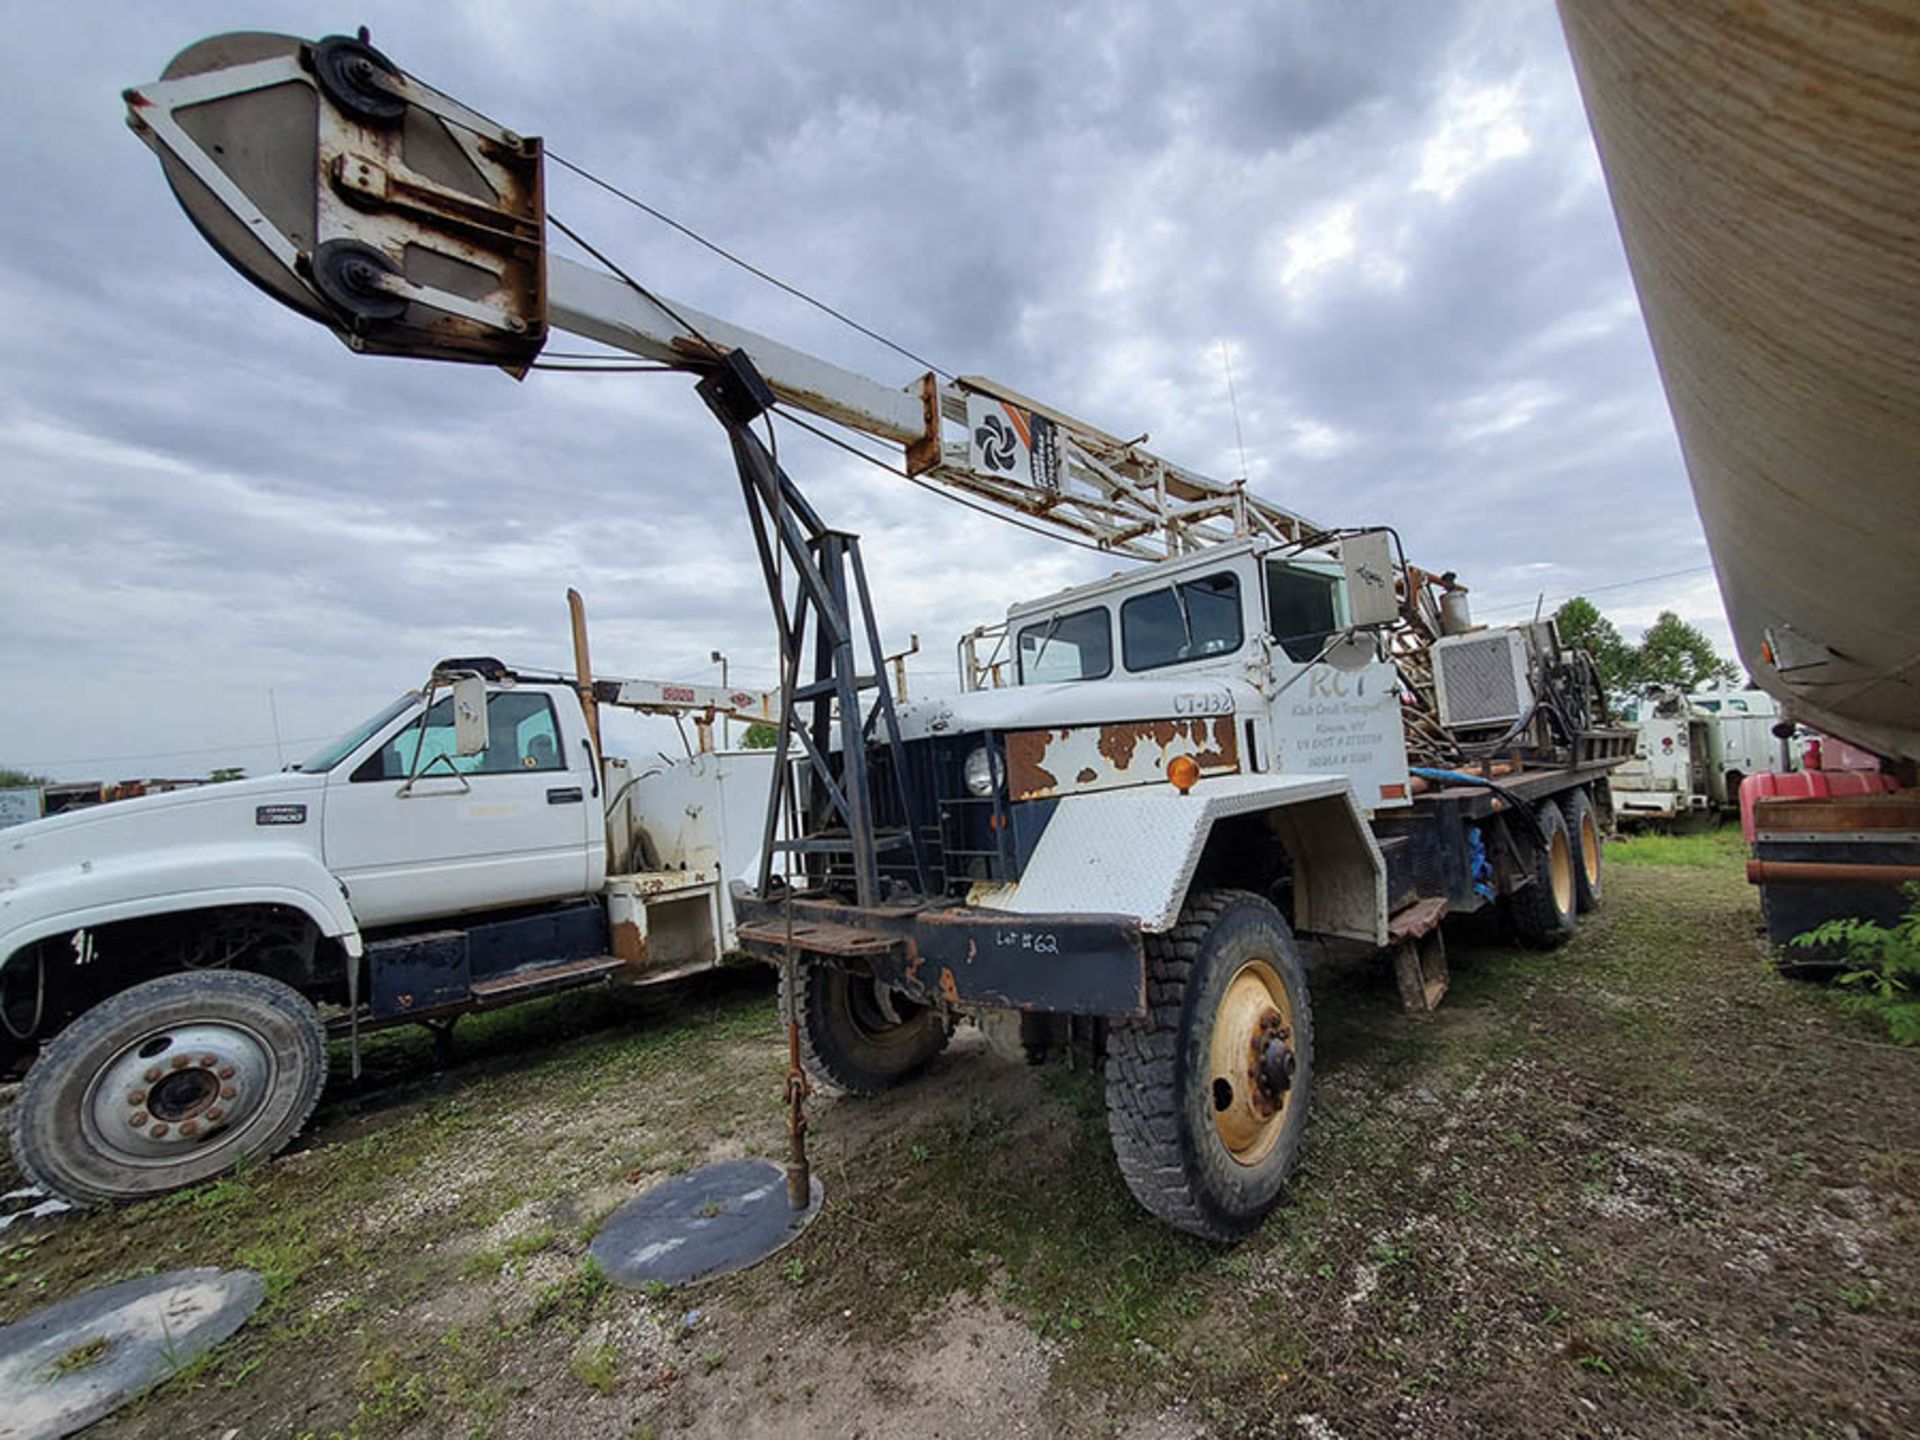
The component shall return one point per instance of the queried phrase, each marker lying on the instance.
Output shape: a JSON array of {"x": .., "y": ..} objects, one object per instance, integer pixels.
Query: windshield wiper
[
  {"x": 1046, "y": 639},
  {"x": 1186, "y": 620}
]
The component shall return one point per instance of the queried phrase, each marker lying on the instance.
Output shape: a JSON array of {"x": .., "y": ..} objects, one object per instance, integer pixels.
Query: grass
[
  {"x": 1638, "y": 1186},
  {"x": 84, "y": 1356},
  {"x": 598, "y": 1368},
  {"x": 1705, "y": 850}
]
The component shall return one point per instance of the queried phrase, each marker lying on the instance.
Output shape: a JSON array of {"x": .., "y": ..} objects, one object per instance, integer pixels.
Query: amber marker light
[{"x": 1183, "y": 770}]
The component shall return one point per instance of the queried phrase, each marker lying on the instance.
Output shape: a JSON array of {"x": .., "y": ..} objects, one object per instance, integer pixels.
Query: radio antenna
[{"x": 1240, "y": 440}]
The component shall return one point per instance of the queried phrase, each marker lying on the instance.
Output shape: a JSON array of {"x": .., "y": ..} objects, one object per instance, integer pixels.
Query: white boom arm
[
  {"x": 410, "y": 224},
  {"x": 670, "y": 697}
]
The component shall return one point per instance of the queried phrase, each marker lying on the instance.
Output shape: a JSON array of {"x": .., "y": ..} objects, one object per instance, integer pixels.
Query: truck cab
[{"x": 1262, "y": 623}]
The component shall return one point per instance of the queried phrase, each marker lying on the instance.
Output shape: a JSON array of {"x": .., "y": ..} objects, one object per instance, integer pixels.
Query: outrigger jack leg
[{"x": 799, "y": 1174}]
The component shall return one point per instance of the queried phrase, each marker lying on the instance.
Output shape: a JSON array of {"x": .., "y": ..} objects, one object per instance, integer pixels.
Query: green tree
[
  {"x": 226, "y": 773},
  {"x": 20, "y": 779},
  {"x": 760, "y": 736},
  {"x": 1585, "y": 628},
  {"x": 1672, "y": 652}
]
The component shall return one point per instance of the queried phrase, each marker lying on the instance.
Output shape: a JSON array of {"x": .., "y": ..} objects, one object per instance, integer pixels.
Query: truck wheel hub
[
  {"x": 177, "y": 1088},
  {"x": 1253, "y": 1062},
  {"x": 1273, "y": 1072}
]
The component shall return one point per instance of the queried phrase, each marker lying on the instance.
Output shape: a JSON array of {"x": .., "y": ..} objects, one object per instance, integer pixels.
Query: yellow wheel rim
[
  {"x": 1248, "y": 1087},
  {"x": 1590, "y": 849},
  {"x": 1560, "y": 863}
]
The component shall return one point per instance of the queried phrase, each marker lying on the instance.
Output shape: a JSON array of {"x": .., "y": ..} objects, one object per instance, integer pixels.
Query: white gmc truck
[{"x": 170, "y": 966}]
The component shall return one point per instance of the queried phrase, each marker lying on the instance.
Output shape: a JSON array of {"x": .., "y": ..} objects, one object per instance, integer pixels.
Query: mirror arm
[{"x": 425, "y": 772}]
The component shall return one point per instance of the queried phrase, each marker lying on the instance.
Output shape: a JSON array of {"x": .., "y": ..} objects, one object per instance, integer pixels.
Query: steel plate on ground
[
  {"x": 709, "y": 1221},
  {"x": 66, "y": 1366}
]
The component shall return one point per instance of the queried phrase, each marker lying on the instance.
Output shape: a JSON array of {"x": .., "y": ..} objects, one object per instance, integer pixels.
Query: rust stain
[
  {"x": 628, "y": 943},
  {"x": 1117, "y": 743},
  {"x": 949, "y": 990},
  {"x": 1127, "y": 753},
  {"x": 1027, "y": 773}
]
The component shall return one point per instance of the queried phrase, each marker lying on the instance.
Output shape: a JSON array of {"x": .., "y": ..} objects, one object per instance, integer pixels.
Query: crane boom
[{"x": 409, "y": 224}]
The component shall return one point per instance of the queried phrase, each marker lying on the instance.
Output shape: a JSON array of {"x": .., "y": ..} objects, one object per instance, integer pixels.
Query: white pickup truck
[{"x": 170, "y": 967}]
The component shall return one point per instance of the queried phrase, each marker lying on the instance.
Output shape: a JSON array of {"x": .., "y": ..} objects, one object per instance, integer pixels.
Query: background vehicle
[
  {"x": 1692, "y": 752},
  {"x": 1191, "y": 767}
]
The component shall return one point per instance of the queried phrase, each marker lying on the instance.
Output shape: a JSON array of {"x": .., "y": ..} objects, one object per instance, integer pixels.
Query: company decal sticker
[
  {"x": 280, "y": 815},
  {"x": 1007, "y": 439}
]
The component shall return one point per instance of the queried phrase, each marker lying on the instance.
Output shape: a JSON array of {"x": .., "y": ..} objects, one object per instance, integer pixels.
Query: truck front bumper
[{"x": 956, "y": 955}]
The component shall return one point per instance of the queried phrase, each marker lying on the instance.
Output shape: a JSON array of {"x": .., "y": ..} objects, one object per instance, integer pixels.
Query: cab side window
[
  {"x": 1193, "y": 620},
  {"x": 520, "y": 727},
  {"x": 1303, "y": 609}
]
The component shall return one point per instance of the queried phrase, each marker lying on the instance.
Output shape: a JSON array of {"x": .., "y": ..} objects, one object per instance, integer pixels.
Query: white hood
[{"x": 208, "y": 813}]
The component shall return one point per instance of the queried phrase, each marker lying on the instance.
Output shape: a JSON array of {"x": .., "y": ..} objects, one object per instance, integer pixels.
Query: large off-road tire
[
  {"x": 1543, "y": 914},
  {"x": 170, "y": 1083},
  {"x": 1207, "y": 1097},
  {"x": 846, "y": 1038},
  {"x": 1583, "y": 823}
]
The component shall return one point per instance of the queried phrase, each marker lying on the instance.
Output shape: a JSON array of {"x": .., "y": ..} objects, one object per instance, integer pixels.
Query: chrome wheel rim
[{"x": 178, "y": 1089}]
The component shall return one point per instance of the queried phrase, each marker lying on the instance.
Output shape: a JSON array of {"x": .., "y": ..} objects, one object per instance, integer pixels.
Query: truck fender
[
  {"x": 1134, "y": 852},
  {"x": 201, "y": 877}
]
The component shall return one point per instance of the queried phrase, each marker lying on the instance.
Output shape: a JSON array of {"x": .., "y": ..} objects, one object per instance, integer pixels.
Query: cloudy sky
[{"x": 1389, "y": 215}]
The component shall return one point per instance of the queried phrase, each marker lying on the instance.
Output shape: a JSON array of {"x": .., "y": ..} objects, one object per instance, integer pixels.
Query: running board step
[{"x": 540, "y": 977}]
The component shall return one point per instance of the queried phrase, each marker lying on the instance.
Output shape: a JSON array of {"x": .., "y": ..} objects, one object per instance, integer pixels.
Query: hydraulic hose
[{"x": 1457, "y": 777}]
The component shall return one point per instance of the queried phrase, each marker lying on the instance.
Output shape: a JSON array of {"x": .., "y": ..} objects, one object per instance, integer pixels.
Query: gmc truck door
[{"x": 417, "y": 832}]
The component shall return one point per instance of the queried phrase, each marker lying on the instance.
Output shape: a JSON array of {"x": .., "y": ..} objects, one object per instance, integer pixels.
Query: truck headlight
[{"x": 982, "y": 772}]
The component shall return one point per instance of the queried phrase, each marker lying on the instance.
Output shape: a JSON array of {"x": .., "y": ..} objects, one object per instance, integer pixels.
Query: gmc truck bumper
[{"x": 1060, "y": 964}]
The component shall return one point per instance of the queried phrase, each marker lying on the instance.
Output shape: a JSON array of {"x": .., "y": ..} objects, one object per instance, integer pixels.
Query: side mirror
[
  {"x": 470, "y": 735},
  {"x": 1367, "y": 559}
]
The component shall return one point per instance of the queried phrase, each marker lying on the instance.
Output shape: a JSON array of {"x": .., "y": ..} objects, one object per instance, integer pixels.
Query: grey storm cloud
[{"x": 1388, "y": 217}]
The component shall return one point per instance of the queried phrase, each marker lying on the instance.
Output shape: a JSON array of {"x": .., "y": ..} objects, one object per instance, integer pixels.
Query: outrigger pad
[
  {"x": 710, "y": 1221},
  {"x": 66, "y": 1366}
]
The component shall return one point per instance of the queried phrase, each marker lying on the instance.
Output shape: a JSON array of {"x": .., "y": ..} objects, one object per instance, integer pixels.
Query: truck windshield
[
  {"x": 1190, "y": 620},
  {"x": 332, "y": 753},
  {"x": 1067, "y": 647}
]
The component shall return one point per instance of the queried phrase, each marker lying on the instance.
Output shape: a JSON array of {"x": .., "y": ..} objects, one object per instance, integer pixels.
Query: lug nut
[
  {"x": 136, "y": 1097},
  {"x": 154, "y": 1072},
  {"x": 159, "y": 1131},
  {"x": 180, "y": 1062},
  {"x": 228, "y": 1092},
  {"x": 189, "y": 1128},
  {"x": 225, "y": 1072},
  {"x": 209, "y": 1061},
  {"x": 216, "y": 1115},
  {"x": 137, "y": 1119}
]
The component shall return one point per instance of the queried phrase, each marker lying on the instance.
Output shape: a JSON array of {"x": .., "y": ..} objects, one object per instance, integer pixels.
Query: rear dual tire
[
  {"x": 1583, "y": 820},
  {"x": 1543, "y": 913}
]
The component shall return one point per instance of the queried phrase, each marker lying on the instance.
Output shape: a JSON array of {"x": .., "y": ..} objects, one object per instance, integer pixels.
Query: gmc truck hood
[{"x": 282, "y": 807}]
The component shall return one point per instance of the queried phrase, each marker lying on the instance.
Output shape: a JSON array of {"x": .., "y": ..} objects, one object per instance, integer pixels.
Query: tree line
[{"x": 1670, "y": 653}]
